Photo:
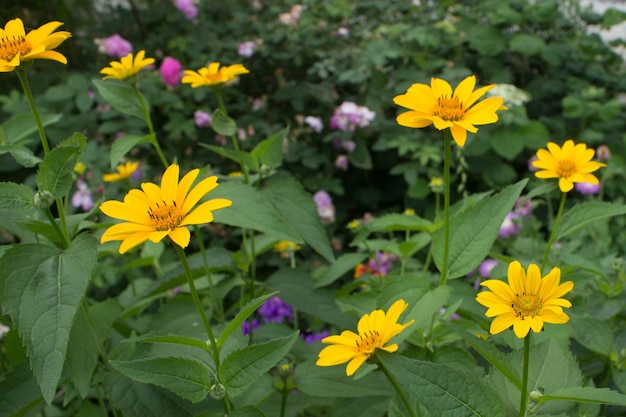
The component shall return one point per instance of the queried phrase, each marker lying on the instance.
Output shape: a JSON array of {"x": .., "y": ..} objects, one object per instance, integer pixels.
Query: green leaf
[
  {"x": 337, "y": 269},
  {"x": 122, "y": 97},
  {"x": 242, "y": 315},
  {"x": 526, "y": 44},
  {"x": 361, "y": 157},
  {"x": 86, "y": 341},
  {"x": 247, "y": 411},
  {"x": 399, "y": 222},
  {"x": 173, "y": 339},
  {"x": 443, "y": 390},
  {"x": 488, "y": 351},
  {"x": 241, "y": 157},
  {"x": 297, "y": 208},
  {"x": 243, "y": 367},
  {"x": 488, "y": 40},
  {"x": 186, "y": 377},
  {"x": 473, "y": 231},
  {"x": 612, "y": 17},
  {"x": 586, "y": 395},
  {"x": 20, "y": 127},
  {"x": 269, "y": 151},
  {"x": 594, "y": 334},
  {"x": 122, "y": 145},
  {"x": 21, "y": 154},
  {"x": 15, "y": 197},
  {"x": 19, "y": 392},
  {"x": 222, "y": 124},
  {"x": 56, "y": 171},
  {"x": 584, "y": 213},
  {"x": 427, "y": 306},
  {"x": 41, "y": 288}
]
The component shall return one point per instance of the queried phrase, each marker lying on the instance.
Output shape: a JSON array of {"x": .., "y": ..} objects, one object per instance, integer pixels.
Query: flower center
[
  {"x": 527, "y": 305},
  {"x": 10, "y": 47},
  {"x": 566, "y": 167},
  {"x": 369, "y": 341},
  {"x": 165, "y": 217},
  {"x": 449, "y": 109}
]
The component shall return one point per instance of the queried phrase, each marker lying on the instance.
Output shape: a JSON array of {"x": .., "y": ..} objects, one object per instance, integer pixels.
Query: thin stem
[
  {"x": 524, "y": 397},
  {"x": 283, "y": 402},
  {"x": 555, "y": 228},
  {"x": 55, "y": 225},
  {"x": 252, "y": 283},
  {"x": 205, "y": 262},
  {"x": 447, "y": 140},
  {"x": 31, "y": 102},
  {"x": 146, "y": 115},
  {"x": 396, "y": 386},
  {"x": 220, "y": 102}
]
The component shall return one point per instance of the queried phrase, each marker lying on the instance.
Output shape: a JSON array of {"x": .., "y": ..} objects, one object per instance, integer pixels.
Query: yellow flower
[
  {"x": 79, "y": 168},
  {"x": 409, "y": 211},
  {"x": 438, "y": 105},
  {"x": 570, "y": 164},
  {"x": 212, "y": 75},
  {"x": 354, "y": 224},
  {"x": 156, "y": 212},
  {"x": 124, "y": 171},
  {"x": 16, "y": 46},
  {"x": 127, "y": 66},
  {"x": 375, "y": 330},
  {"x": 527, "y": 302},
  {"x": 286, "y": 248}
]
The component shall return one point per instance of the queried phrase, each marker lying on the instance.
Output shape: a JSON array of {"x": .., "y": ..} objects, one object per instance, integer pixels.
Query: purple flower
[
  {"x": 486, "y": 266},
  {"x": 342, "y": 162},
  {"x": 82, "y": 198},
  {"x": 348, "y": 116},
  {"x": 523, "y": 207},
  {"x": 531, "y": 167},
  {"x": 314, "y": 337},
  {"x": 508, "y": 228},
  {"x": 587, "y": 188},
  {"x": 315, "y": 122},
  {"x": 114, "y": 46},
  {"x": 325, "y": 207},
  {"x": 171, "y": 71},
  {"x": 275, "y": 310},
  {"x": 246, "y": 49},
  {"x": 202, "y": 119},
  {"x": 188, "y": 8},
  {"x": 245, "y": 327}
]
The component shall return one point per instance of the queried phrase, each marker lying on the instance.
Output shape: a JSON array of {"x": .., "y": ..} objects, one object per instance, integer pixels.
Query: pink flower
[
  {"x": 315, "y": 122},
  {"x": 523, "y": 207},
  {"x": 342, "y": 162},
  {"x": 486, "y": 266},
  {"x": 171, "y": 71},
  {"x": 587, "y": 188},
  {"x": 202, "y": 119},
  {"x": 348, "y": 116},
  {"x": 82, "y": 198},
  {"x": 114, "y": 46},
  {"x": 508, "y": 228},
  {"x": 188, "y": 8},
  {"x": 325, "y": 207},
  {"x": 246, "y": 49},
  {"x": 291, "y": 18}
]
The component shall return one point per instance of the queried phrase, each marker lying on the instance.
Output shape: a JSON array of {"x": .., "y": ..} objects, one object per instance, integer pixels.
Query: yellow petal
[
  {"x": 180, "y": 236},
  {"x": 169, "y": 183},
  {"x": 199, "y": 191},
  {"x": 355, "y": 364},
  {"x": 204, "y": 212},
  {"x": 521, "y": 328},
  {"x": 132, "y": 241},
  {"x": 502, "y": 322}
]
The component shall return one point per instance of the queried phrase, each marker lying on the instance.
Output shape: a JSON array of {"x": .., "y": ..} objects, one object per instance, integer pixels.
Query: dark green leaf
[
  {"x": 241, "y": 157},
  {"x": 343, "y": 264},
  {"x": 269, "y": 151},
  {"x": 20, "y": 127},
  {"x": 594, "y": 334},
  {"x": 124, "y": 144},
  {"x": 247, "y": 411},
  {"x": 122, "y": 97},
  {"x": 222, "y": 124},
  {"x": 19, "y": 392},
  {"x": 15, "y": 197},
  {"x": 586, "y": 395},
  {"x": 56, "y": 171},
  {"x": 526, "y": 44},
  {"x": 584, "y": 213},
  {"x": 242, "y": 315},
  {"x": 22, "y": 155}
]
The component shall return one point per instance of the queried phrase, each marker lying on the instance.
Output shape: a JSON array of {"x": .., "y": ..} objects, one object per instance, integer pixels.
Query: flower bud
[
  {"x": 43, "y": 199},
  {"x": 217, "y": 391}
]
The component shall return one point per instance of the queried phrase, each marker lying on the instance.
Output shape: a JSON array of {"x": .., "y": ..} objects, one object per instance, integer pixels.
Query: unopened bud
[
  {"x": 217, "y": 391},
  {"x": 44, "y": 199}
]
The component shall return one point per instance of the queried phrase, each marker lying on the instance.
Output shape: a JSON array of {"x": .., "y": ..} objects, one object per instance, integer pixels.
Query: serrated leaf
[
  {"x": 19, "y": 392},
  {"x": 241, "y": 157},
  {"x": 582, "y": 214},
  {"x": 189, "y": 378},
  {"x": 15, "y": 197},
  {"x": 594, "y": 334},
  {"x": 56, "y": 171},
  {"x": 41, "y": 287},
  {"x": 473, "y": 231},
  {"x": 297, "y": 208},
  {"x": 337, "y": 269},
  {"x": 20, "y": 127},
  {"x": 122, "y": 145},
  {"x": 269, "y": 151},
  {"x": 441, "y": 389},
  {"x": 489, "y": 352},
  {"x": 245, "y": 312},
  {"x": 173, "y": 339},
  {"x": 586, "y": 395},
  {"x": 21, "y": 154},
  {"x": 122, "y": 97},
  {"x": 222, "y": 124},
  {"x": 242, "y": 367}
]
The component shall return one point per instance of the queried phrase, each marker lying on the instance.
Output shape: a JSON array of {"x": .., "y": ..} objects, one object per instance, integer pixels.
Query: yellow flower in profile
[
  {"x": 375, "y": 331},
  {"x": 570, "y": 164},
  {"x": 212, "y": 75},
  {"x": 437, "y": 104},
  {"x": 17, "y": 46},
  {"x": 79, "y": 168},
  {"x": 154, "y": 212},
  {"x": 124, "y": 171},
  {"x": 286, "y": 248},
  {"x": 127, "y": 67},
  {"x": 527, "y": 302}
]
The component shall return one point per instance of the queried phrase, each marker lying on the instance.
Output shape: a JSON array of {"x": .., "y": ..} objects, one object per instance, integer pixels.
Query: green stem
[
  {"x": 447, "y": 141},
  {"x": 524, "y": 394},
  {"x": 196, "y": 300},
  {"x": 205, "y": 262},
  {"x": 555, "y": 228},
  {"x": 396, "y": 387},
  {"x": 146, "y": 115},
  {"x": 56, "y": 227},
  {"x": 252, "y": 283},
  {"x": 21, "y": 73},
  {"x": 283, "y": 402},
  {"x": 220, "y": 102}
]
